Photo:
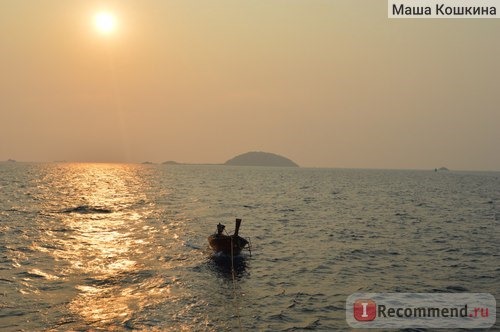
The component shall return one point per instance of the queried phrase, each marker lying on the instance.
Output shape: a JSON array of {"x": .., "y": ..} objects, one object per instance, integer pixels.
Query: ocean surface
[{"x": 120, "y": 247}]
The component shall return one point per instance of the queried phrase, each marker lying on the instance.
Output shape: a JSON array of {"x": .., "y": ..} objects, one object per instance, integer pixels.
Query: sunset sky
[{"x": 324, "y": 83}]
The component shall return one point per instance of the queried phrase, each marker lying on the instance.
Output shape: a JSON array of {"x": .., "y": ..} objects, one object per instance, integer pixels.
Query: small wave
[
  {"x": 308, "y": 200},
  {"x": 310, "y": 326},
  {"x": 84, "y": 209},
  {"x": 39, "y": 274},
  {"x": 17, "y": 210},
  {"x": 6, "y": 280},
  {"x": 11, "y": 312},
  {"x": 283, "y": 318},
  {"x": 192, "y": 245},
  {"x": 329, "y": 308},
  {"x": 457, "y": 288}
]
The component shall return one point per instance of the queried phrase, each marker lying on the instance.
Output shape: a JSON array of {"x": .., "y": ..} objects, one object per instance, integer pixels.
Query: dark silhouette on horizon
[{"x": 261, "y": 159}]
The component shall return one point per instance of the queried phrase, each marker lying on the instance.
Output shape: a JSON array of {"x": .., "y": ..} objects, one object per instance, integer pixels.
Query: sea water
[{"x": 124, "y": 247}]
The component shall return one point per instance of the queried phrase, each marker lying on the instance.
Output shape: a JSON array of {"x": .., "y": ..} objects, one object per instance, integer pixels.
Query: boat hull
[{"x": 227, "y": 244}]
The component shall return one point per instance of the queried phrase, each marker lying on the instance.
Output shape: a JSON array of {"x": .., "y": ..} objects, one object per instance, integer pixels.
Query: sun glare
[{"x": 105, "y": 22}]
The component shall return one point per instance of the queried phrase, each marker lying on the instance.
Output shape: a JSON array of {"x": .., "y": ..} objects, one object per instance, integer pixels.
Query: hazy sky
[{"x": 327, "y": 83}]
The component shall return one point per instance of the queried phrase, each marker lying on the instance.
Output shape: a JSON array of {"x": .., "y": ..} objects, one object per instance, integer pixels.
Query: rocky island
[{"x": 261, "y": 159}]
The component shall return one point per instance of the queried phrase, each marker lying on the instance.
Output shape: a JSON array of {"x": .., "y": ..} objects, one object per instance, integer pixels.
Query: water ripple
[{"x": 119, "y": 247}]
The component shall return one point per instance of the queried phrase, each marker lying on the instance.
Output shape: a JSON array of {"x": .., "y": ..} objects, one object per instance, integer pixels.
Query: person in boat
[{"x": 220, "y": 229}]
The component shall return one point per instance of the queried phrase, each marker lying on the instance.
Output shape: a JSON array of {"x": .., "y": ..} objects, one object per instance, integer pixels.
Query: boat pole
[{"x": 238, "y": 224}]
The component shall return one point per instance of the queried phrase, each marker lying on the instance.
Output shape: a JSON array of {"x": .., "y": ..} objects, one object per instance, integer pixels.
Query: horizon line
[{"x": 175, "y": 163}]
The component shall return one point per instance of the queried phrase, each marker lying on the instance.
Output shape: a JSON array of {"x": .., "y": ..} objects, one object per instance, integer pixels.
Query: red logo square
[{"x": 365, "y": 310}]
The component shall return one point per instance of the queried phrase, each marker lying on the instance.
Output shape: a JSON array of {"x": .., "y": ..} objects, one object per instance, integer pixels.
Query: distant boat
[
  {"x": 441, "y": 169},
  {"x": 227, "y": 244},
  {"x": 11, "y": 161}
]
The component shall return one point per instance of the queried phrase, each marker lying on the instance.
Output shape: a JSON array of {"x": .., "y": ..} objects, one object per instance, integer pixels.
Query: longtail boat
[{"x": 227, "y": 244}]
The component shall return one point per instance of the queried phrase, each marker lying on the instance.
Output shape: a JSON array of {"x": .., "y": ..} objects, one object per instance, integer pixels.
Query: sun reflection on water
[{"x": 100, "y": 247}]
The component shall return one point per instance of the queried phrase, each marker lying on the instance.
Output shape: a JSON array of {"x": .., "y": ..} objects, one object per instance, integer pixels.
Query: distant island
[
  {"x": 249, "y": 159},
  {"x": 260, "y": 159}
]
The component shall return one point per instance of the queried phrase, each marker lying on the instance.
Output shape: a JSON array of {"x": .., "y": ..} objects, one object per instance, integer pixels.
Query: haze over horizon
[{"x": 324, "y": 83}]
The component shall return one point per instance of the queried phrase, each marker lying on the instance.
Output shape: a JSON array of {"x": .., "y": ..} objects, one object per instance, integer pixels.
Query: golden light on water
[{"x": 103, "y": 244}]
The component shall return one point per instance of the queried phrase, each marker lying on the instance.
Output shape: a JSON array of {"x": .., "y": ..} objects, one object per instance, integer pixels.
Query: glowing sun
[{"x": 105, "y": 22}]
